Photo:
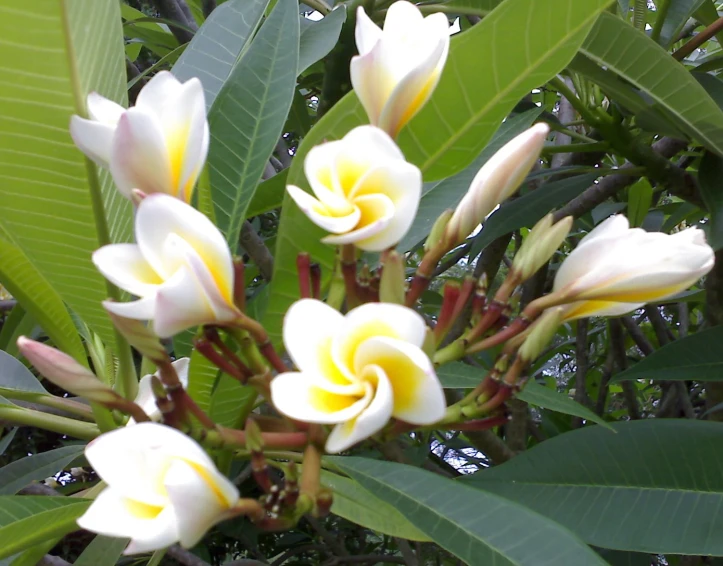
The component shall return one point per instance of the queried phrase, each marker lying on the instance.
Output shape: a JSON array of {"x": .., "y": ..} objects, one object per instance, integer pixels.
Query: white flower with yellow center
[
  {"x": 616, "y": 269},
  {"x": 180, "y": 267},
  {"x": 398, "y": 68},
  {"x": 366, "y": 193},
  {"x": 357, "y": 371},
  {"x": 162, "y": 488},
  {"x": 157, "y": 146}
]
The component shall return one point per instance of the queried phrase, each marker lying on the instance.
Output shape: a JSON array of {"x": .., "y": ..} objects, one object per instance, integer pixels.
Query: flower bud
[
  {"x": 496, "y": 181},
  {"x": 539, "y": 245},
  {"x": 540, "y": 334},
  {"x": 65, "y": 372},
  {"x": 438, "y": 229},
  {"x": 392, "y": 283},
  {"x": 140, "y": 336}
]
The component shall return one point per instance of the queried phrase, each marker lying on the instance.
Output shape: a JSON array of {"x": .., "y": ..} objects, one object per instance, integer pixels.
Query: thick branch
[
  {"x": 252, "y": 243},
  {"x": 172, "y": 10},
  {"x": 490, "y": 445}
]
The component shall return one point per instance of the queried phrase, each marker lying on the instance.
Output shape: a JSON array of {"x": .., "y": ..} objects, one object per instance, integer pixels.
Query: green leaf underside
[
  {"x": 697, "y": 357},
  {"x": 20, "y": 473},
  {"x": 21, "y": 323},
  {"x": 15, "y": 376},
  {"x": 248, "y": 115},
  {"x": 477, "y": 527},
  {"x": 231, "y": 402},
  {"x": 216, "y": 47},
  {"x": 102, "y": 551},
  {"x": 51, "y": 63},
  {"x": 656, "y": 486},
  {"x": 317, "y": 39},
  {"x": 202, "y": 375}
]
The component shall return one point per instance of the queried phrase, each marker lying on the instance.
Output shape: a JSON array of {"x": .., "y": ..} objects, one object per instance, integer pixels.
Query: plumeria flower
[
  {"x": 366, "y": 193},
  {"x": 616, "y": 269},
  {"x": 157, "y": 146},
  {"x": 357, "y": 371},
  {"x": 398, "y": 68},
  {"x": 180, "y": 267},
  {"x": 162, "y": 488},
  {"x": 146, "y": 400}
]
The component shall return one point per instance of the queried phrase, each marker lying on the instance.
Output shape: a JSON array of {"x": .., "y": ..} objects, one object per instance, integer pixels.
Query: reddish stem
[
  {"x": 213, "y": 335},
  {"x": 348, "y": 270},
  {"x": 207, "y": 350},
  {"x": 267, "y": 350},
  {"x": 303, "y": 267},
  {"x": 517, "y": 326},
  {"x": 490, "y": 316},
  {"x": 239, "y": 284},
  {"x": 479, "y": 424},
  {"x": 315, "y": 280},
  {"x": 451, "y": 296}
]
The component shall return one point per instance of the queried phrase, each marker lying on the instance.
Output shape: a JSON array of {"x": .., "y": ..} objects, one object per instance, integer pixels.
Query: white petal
[
  {"x": 182, "y": 367},
  {"x": 181, "y": 303},
  {"x": 366, "y": 33},
  {"x": 142, "y": 309},
  {"x": 367, "y": 147},
  {"x": 157, "y": 92},
  {"x": 200, "y": 500},
  {"x": 418, "y": 394},
  {"x": 139, "y": 157},
  {"x": 377, "y": 212},
  {"x": 146, "y": 400},
  {"x": 613, "y": 226},
  {"x": 306, "y": 397},
  {"x": 584, "y": 309},
  {"x": 104, "y": 110},
  {"x": 93, "y": 138},
  {"x": 371, "y": 420},
  {"x": 400, "y": 17},
  {"x": 372, "y": 82},
  {"x": 125, "y": 266},
  {"x": 312, "y": 208},
  {"x": 113, "y": 514},
  {"x": 319, "y": 168}
]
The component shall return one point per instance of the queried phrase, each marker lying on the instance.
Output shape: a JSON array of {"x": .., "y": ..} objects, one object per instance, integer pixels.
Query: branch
[
  {"x": 617, "y": 343},
  {"x": 173, "y": 10},
  {"x": 252, "y": 243},
  {"x": 699, "y": 40},
  {"x": 185, "y": 557},
  {"x": 490, "y": 445},
  {"x": 582, "y": 363},
  {"x": 50, "y": 560}
]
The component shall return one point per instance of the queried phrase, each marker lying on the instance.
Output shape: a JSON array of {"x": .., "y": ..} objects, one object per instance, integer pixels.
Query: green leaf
[
  {"x": 102, "y": 551},
  {"x": 525, "y": 44},
  {"x": 6, "y": 440},
  {"x": 247, "y": 118},
  {"x": 231, "y": 402},
  {"x": 474, "y": 7},
  {"x": 154, "y": 36},
  {"x": 536, "y": 394},
  {"x": 679, "y": 12},
  {"x": 653, "y": 487},
  {"x": 202, "y": 375},
  {"x": 441, "y": 195},
  {"x": 31, "y": 556},
  {"x": 28, "y": 520},
  {"x": 697, "y": 356},
  {"x": 356, "y": 504},
  {"x": 477, "y": 527},
  {"x": 710, "y": 172},
  {"x": 16, "y": 475},
  {"x": 268, "y": 195},
  {"x": 18, "y": 323},
  {"x": 633, "y": 55},
  {"x": 218, "y": 44},
  {"x": 640, "y": 197},
  {"x": 529, "y": 208},
  {"x": 458, "y": 375},
  {"x": 14, "y": 376},
  {"x": 37, "y": 296},
  {"x": 52, "y": 197},
  {"x": 317, "y": 39}
]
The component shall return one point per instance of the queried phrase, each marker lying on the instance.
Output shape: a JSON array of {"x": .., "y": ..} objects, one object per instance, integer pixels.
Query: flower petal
[
  {"x": 584, "y": 309},
  {"x": 104, "y": 110},
  {"x": 401, "y": 17},
  {"x": 370, "y": 421},
  {"x": 156, "y": 93},
  {"x": 142, "y": 309},
  {"x": 376, "y": 215},
  {"x": 418, "y": 394},
  {"x": 124, "y": 266},
  {"x": 306, "y": 397},
  {"x": 114, "y": 514},
  {"x": 182, "y": 367},
  {"x": 181, "y": 303},
  {"x": 316, "y": 211},
  {"x": 200, "y": 499},
  {"x": 366, "y": 33},
  {"x": 139, "y": 157},
  {"x": 146, "y": 400},
  {"x": 323, "y": 179},
  {"x": 372, "y": 82},
  {"x": 94, "y": 139}
]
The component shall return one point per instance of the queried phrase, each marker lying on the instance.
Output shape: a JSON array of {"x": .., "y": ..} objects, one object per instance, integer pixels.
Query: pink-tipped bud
[
  {"x": 495, "y": 182},
  {"x": 65, "y": 372}
]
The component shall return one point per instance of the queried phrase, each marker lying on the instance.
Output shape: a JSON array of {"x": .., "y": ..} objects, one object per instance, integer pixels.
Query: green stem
[
  {"x": 661, "y": 14},
  {"x": 60, "y": 403},
  {"x": 577, "y": 148},
  {"x": 461, "y": 10},
  {"x": 319, "y": 6},
  {"x": 640, "y": 11},
  {"x": 560, "y": 86},
  {"x": 54, "y": 423}
]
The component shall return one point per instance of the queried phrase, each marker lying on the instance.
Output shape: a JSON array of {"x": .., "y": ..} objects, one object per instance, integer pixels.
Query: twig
[
  {"x": 582, "y": 363},
  {"x": 490, "y": 445},
  {"x": 699, "y": 40},
  {"x": 50, "y": 560},
  {"x": 659, "y": 324},
  {"x": 410, "y": 558},
  {"x": 252, "y": 243},
  {"x": 185, "y": 557},
  {"x": 617, "y": 344},
  {"x": 172, "y": 10}
]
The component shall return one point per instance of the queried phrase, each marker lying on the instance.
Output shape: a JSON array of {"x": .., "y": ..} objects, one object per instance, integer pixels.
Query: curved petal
[
  {"x": 376, "y": 215},
  {"x": 146, "y": 400},
  {"x": 319, "y": 168},
  {"x": 308, "y": 330},
  {"x": 113, "y": 514},
  {"x": 418, "y": 394},
  {"x": 94, "y": 139},
  {"x": 157, "y": 92},
  {"x": 200, "y": 499},
  {"x": 584, "y": 309},
  {"x": 367, "y": 147},
  {"x": 160, "y": 215},
  {"x": 613, "y": 226},
  {"x": 142, "y": 309},
  {"x": 104, "y": 110},
  {"x": 366, "y": 33},
  {"x": 316, "y": 211},
  {"x": 306, "y": 397},
  {"x": 139, "y": 157},
  {"x": 373, "y": 320},
  {"x": 181, "y": 303},
  {"x": 370, "y": 421},
  {"x": 124, "y": 266},
  {"x": 372, "y": 82},
  {"x": 182, "y": 366},
  {"x": 401, "y": 17}
]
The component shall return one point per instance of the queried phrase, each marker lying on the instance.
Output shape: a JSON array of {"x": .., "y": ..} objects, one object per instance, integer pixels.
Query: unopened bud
[
  {"x": 392, "y": 284},
  {"x": 158, "y": 389},
  {"x": 495, "y": 182},
  {"x": 438, "y": 230},
  {"x": 77, "y": 472},
  {"x": 141, "y": 337},
  {"x": 539, "y": 245},
  {"x": 541, "y": 333},
  {"x": 65, "y": 372},
  {"x": 254, "y": 440}
]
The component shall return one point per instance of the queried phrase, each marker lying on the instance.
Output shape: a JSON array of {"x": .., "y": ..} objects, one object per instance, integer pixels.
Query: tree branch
[
  {"x": 252, "y": 243},
  {"x": 173, "y": 10}
]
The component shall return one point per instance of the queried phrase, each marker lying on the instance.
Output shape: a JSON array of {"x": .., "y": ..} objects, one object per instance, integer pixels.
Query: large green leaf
[
  {"x": 29, "y": 520},
  {"x": 638, "y": 59},
  {"x": 477, "y": 527},
  {"x": 697, "y": 356},
  {"x": 268, "y": 195},
  {"x": 679, "y": 11},
  {"x": 356, "y": 504},
  {"x": 655, "y": 486},
  {"x": 249, "y": 114},
  {"x": 37, "y": 296},
  {"x": 218, "y": 44},
  {"x": 52, "y": 197},
  {"x": 524, "y": 45},
  {"x": 319, "y": 38},
  {"x": 202, "y": 376},
  {"x": 30, "y": 556},
  {"x": 441, "y": 195},
  {"x": 102, "y": 551},
  {"x": 17, "y": 323},
  {"x": 16, "y": 475},
  {"x": 14, "y": 376},
  {"x": 6, "y": 440},
  {"x": 709, "y": 176},
  {"x": 231, "y": 402}
]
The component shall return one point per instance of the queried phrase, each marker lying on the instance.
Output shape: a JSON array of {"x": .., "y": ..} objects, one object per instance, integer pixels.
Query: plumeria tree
[{"x": 376, "y": 282}]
